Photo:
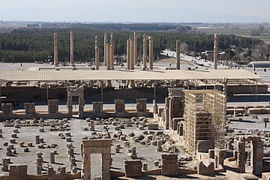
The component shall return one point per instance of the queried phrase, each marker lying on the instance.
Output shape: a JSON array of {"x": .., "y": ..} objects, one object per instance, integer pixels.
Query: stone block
[
  {"x": 18, "y": 172},
  {"x": 97, "y": 107},
  {"x": 30, "y": 108},
  {"x": 53, "y": 106},
  {"x": 133, "y": 168},
  {"x": 152, "y": 126},
  {"x": 204, "y": 145},
  {"x": 7, "y": 108},
  {"x": 206, "y": 169}
]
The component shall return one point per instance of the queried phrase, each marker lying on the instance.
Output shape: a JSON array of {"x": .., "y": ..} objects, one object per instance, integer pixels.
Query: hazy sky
[{"x": 258, "y": 8}]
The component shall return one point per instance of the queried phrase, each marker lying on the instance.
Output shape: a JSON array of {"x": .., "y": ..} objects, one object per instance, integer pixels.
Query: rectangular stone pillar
[
  {"x": 106, "y": 161},
  {"x": 119, "y": 106},
  {"x": 176, "y": 108},
  {"x": 169, "y": 166},
  {"x": 18, "y": 172},
  {"x": 151, "y": 53},
  {"x": 72, "y": 60},
  {"x": 133, "y": 168},
  {"x": 53, "y": 106},
  {"x": 241, "y": 156},
  {"x": 141, "y": 106},
  {"x": 178, "y": 55},
  {"x": 7, "y": 108},
  {"x": 97, "y": 107},
  {"x": 257, "y": 156},
  {"x": 30, "y": 108},
  {"x": 55, "y": 50}
]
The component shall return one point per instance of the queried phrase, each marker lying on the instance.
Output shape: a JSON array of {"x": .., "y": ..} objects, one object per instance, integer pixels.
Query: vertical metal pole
[{"x": 155, "y": 92}]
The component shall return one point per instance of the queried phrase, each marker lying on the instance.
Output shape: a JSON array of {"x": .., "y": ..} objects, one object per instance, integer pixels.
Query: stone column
[
  {"x": 55, "y": 50},
  {"x": 128, "y": 54},
  {"x": 151, "y": 53},
  {"x": 96, "y": 53},
  {"x": 257, "y": 155},
  {"x": 105, "y": 47},
  {"x": 241, "y": 153},
  {"x": 131, "y": 53},
  {"x": 72, "y": 61},
  {"x": 108, "y": 56},
  {"x": 112, "y": 52},
  {"x": 144, "y": 52},
  {"x": 178, "y": 55},
  {"x": 135, "y": 48},
  {"x": 215, "y": 51}
]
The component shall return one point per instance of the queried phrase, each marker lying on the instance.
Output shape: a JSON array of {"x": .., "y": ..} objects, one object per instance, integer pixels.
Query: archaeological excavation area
[{"x": 128, "y": 121}]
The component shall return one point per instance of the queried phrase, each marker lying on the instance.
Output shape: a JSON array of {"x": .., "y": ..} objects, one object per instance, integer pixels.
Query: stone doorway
[
  {"x": 72, "y": 93},
  {"x": 96, "y": 146}
]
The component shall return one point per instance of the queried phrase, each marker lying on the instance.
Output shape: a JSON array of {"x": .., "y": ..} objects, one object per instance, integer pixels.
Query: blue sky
[{"x": 119, "y": 10}]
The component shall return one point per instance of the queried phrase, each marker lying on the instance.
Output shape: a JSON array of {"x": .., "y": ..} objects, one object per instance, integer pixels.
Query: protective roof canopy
[{"x": 88, "y": 75}]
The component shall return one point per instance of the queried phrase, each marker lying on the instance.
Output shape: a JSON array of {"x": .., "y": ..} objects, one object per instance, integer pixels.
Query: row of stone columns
[
  {"x": 132, "y": 52},
  {"x": 71, "y": 57},
  {"x": 109, "y": 51}
]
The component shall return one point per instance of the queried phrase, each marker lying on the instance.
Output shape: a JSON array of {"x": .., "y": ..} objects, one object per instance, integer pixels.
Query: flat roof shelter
[{"x": 86, "y": 75}]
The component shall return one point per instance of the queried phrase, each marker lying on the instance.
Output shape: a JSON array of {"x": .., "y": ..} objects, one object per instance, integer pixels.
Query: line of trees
[{"x": 29, "y": 45}]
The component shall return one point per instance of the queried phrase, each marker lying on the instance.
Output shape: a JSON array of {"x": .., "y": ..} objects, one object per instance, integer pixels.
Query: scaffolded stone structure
[
  {"x": 205, "y": 115},
  {"x": 73, "y": 92},
  {"x": 95, "y": 146}
]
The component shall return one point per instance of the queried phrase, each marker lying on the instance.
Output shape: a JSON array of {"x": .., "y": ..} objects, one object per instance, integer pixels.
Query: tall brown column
[
  {"x": 144, "y": 52},
  {"x": 131, "y": 53},
  {"x": 105, "y": 48},
  {"x": 215, "y": 51},
  {"x": 135, "y": 48},
  {"x": 151, "y": 53},
  {"x": 96, "y": 53},
  {"x": 108, "y": 56},
  {"x": 128, "y": 54},
  {"x": 55, "y": 50},
  {"x": 178, "y": 55},
  {"x": 112, "y": 52},
  {"x": 72, "y": 61}
]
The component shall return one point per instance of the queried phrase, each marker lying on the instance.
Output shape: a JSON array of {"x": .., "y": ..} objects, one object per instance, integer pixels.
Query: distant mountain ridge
[{"x": 107, "y": 13}]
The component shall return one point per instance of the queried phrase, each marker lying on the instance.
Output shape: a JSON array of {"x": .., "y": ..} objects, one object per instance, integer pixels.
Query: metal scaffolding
[{"x": 205, "y": 115}]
